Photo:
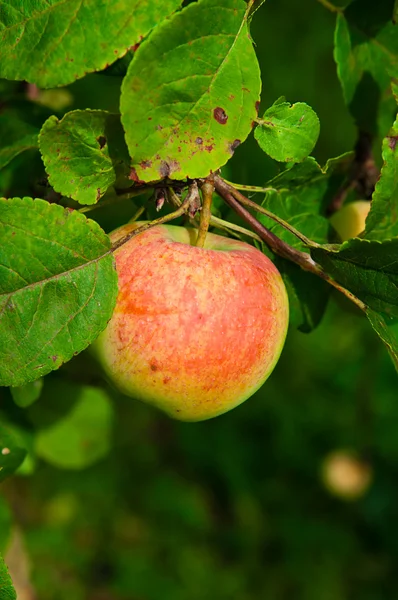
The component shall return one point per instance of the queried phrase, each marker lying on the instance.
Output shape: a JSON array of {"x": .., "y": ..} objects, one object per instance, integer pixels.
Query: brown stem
[
  {"x": 173, "y": 215},
  {"x": 207, "y": 189},
  {"x": 222, "y": 187},
  {"x": 278, "y": 246}
]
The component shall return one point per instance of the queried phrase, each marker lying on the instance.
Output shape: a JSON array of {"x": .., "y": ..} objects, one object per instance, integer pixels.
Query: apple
[
  {"x": 345, "y": 475},
  {"x": 195, "y": 331},
  {"x": 349, "y": 221}
]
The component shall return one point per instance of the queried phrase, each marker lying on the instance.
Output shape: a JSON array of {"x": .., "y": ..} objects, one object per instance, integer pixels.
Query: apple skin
[
  {"x": 195, "y": 331},
  {"x": 349, "y": 221}
]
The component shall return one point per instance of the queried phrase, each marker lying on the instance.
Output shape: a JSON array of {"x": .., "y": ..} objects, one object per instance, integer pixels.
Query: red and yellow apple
[
  {"x": 349, "y": 221},
  {"x": 195, "y": 331}
]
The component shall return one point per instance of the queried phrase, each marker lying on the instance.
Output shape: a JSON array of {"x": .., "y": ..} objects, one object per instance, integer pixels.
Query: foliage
[{"x": 112, "y": 108}]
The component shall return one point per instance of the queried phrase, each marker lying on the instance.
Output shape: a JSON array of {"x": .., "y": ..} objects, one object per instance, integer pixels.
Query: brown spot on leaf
[
  {"x": 392, "y": 142},
  {"x": 154, "y": 367},
  {"x": 209, "y": 148},
  {"x": 167, "y": 168},
  {"x": 101, "y": 141},
  {"x": 231, "y": 97},
  {"x": 159, "y": 127},
  {"x": 135, "y": 47},
  {"x": 146, "y": 164},
  {"x": 233, "y": 146},
  {"x": 257, "y": 106},
  {"x": 220, "y": 115},
  {"x": 98, "y": 196},
  {"x": 134, "y": 177},
  {"x": 199, "y": 141},
  {"x": 166, "y": 379},
  {"x": 54, "y": 358}
]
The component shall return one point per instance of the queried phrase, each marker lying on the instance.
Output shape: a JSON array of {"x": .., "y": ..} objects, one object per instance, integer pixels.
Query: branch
[
  {"x": 278, "y": 246},
  {"x": 222, "y": 187}
]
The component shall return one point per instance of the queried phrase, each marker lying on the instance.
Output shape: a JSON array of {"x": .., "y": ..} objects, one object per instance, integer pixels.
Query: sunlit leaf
[
  {"x": 84, "y": 153},
  {"x": 190, "y": 93},
  {"x": 288, "y": 132}
]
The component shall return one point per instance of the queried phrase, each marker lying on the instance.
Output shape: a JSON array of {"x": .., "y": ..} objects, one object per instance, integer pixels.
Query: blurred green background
[{"x": 240, "y": 507}]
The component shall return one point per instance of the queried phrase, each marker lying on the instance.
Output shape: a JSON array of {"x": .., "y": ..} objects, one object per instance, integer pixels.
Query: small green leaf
[
  {"x": 82, "y": 437},
  {"x": 288, "y": 133},
  {"x": 84, "y": 154},
  {"x": 7, "y": 591},
  {"x": 387, "y": 330},
  {"x": 368, "y": 269},
  {"x": 16, "y": 135},
  {"x": 58, "y": 287},
  {"x": 189, "y": 96},
  {"x": 395, "y": 12},
  {"x": 11, "y": 455},
  {"x": 54, "y": 42},
  {"x": 25, "y": 395},
  {"x": 382, "y": 221}
]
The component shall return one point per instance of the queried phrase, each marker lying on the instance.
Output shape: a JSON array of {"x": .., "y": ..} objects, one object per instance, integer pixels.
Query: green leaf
[
  {"x": 54, "y": 42},
  {"x": 366, "y": 53},
  {"x": 58, "y": 287},
  {"x": 82, "y": 437},
  {"x": 299, "y": 196},
  {"x": 288, "y": 133},
  {"x": 306, "y": 187},
  {"x": 368, "y": 269},
  {"x": 16, "y": 135},
  {"x": 11, "y": 454},
  {"x": 387, "y": 330},
  {"x": 382, "y": 221},
  {"x": 308, "y": 295},
  {"x": 7, "y": 591},
  {"x": 189, "y": 96},
  {"x": 84, "y": 154},
  {"x": 395, "y": 12},
  {"x": 25, "y": 395}
]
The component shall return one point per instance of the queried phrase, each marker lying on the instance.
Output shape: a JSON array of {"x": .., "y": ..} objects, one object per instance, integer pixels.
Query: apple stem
[
  {"x": 207, "y": 189},
  {"x": 278, "y": 246}
]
